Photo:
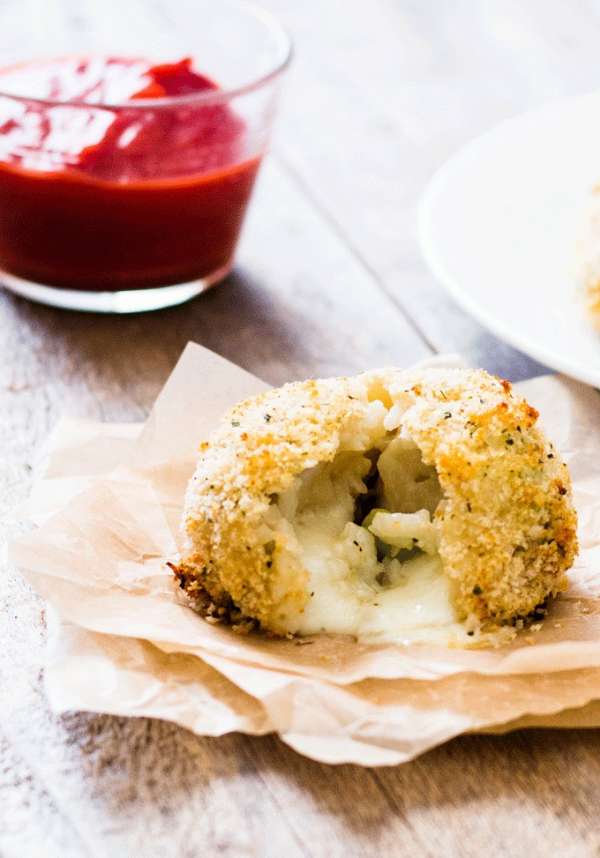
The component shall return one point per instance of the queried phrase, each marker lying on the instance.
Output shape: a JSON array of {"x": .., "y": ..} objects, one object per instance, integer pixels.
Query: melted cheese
[
  {"x": 381, "y": 581},
  {"x": 417, "y": 607}
]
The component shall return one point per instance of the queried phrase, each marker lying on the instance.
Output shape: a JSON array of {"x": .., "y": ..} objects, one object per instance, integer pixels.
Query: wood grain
[
  {"x": 410, "y": 88},
  {"x": 329, "y": 280}
]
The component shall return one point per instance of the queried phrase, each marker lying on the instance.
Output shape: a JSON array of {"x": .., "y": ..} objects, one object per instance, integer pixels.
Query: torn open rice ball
[{"x": 393, "y": 506}]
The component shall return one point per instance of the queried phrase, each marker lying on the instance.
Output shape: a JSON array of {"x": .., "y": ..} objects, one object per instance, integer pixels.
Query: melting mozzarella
[{"x": 382, "y": 580}]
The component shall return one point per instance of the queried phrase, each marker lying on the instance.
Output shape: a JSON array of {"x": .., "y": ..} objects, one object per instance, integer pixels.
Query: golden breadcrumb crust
[
  {"x": 507, "y": 521},
  {"x": 592, "y": 297},
  {"x": 591, "y": 286},
  {"x": 508, "y": 527},
  {"x": 589, "y": 259}
]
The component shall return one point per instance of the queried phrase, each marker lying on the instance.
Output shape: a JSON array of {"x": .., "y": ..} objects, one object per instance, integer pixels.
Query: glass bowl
[{"x": 128, "y": 154}]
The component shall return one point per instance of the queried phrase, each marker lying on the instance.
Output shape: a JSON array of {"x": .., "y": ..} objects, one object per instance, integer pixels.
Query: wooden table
[{"x": 329, "y": 280}]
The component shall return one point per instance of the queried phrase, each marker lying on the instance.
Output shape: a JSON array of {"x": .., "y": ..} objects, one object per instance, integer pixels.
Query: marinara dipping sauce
[{"x": 115, "y": 174}]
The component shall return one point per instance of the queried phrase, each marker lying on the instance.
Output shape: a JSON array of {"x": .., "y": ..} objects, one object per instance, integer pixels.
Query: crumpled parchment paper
[{"x": 122, "y": 639}]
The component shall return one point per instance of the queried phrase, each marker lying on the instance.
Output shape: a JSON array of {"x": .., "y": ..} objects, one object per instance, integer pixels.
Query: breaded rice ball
[
  {"x": 589, "y": 259},
  {"x": 394, "y": 505}
]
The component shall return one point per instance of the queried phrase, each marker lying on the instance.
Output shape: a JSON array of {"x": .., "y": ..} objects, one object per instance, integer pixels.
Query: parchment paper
[{"x": 107, "y": 512}]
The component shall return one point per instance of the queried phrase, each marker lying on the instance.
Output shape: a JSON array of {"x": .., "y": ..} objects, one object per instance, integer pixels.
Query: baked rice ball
[
  {"x": 394, "y": 505},
  {"x": 588, "y": 259}
]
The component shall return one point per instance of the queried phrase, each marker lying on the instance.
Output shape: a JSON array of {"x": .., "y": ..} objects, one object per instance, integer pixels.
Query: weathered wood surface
[{"x": 330, "y": 280}]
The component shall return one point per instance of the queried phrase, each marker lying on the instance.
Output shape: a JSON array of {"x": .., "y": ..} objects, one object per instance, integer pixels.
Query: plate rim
[{"x": 432, "y": 257}]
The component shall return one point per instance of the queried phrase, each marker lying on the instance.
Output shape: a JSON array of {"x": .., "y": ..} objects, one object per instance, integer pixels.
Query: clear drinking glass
[{"x": 126, "y": 204}]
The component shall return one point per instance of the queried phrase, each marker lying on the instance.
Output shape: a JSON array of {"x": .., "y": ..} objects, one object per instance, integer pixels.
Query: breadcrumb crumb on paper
[{"x": 122, "y": 640}]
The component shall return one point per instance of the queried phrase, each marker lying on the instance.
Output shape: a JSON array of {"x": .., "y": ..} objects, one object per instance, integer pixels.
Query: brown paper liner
[{"x": 108, "y": 509}]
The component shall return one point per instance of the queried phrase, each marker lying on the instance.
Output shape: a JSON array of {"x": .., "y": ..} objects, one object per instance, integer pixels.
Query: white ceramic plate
[{"x": 499, "y": 225}]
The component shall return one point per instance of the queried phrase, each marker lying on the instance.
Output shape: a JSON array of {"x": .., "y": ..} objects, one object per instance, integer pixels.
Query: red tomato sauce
[{"x": 122, "y": 198}]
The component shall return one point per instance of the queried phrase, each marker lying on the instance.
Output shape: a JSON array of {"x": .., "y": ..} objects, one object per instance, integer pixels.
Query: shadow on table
[
  {"x": 240, "y": 319},
  {"x": 257, "y": 780},
  {"x": 522, "y": 770}
]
